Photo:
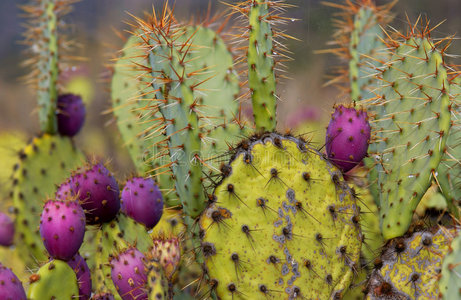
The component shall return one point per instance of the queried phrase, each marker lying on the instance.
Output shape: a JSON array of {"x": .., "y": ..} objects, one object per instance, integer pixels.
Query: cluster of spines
[{"x": 46, "y": 45}]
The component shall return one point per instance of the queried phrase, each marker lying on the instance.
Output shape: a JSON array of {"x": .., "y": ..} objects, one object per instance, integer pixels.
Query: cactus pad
[
  {"x": 44, "y": 163},
  {"x": 449, "y": 170},
  {"x": 282, "y": 220},
  {"x": 450, "y": 281},
  {"x": 129, "y": 102},
  {"x": 44, "y": 284},
  {"x": 409, "y": 266},
  {"x": 410, "y": 128}
]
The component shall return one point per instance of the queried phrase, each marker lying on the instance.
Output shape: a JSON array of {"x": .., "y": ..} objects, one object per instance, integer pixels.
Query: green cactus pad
[
  {"x": 131, "y": 105},
  {"x": 409, "y": 267},
  {"x": 55, "y": 280},
  {"x": 283, "y": 224},
  {"x": 411, "y": 125},
  {"x": 261, "y": 76},
  {"x": 213, "y": 69},
  {"x": 449, "y": 170},
  {"x": 450, "y": 281},
  {"x": 369, "y": 217},
  {"x": 44, "y": 163},
  {"x": 367, "y": 49},
  {"x": 178, "y": 106},
  {"x": 42, "y": 37}
]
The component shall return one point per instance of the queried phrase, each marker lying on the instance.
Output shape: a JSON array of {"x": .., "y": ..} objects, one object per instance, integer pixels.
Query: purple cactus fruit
[
  {"x": 65, "y": 190},
  {"x": 98, "y": 192},
  {"x": 71, "y": 114},
  {"x": 10, "y": 285},
  {"x": 80, "y": 267},
  {"x": 142, "y": 201},
  {"x": 129, "y": 274},
  {"x": 62, "y": 227},
  {"x": 6, "y": 230},
  {"x": 348, "y": 135},
  {"x": 103, "y": 296}
]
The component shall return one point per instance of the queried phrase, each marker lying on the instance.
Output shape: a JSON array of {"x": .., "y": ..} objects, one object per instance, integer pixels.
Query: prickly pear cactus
[
  {"x": 54, "y": 280},
  {"x": 282, "y": 220},
  {"x": 449, "y": 170},
  {"x": 450, "y": 280},
  {"x": 46, "y": 44},
  {"x": 409, "y": 267},
  {"x": 44, "y": 163},
  {"x": 411, "y": 125},
  {"x": 260, "y": 63}
]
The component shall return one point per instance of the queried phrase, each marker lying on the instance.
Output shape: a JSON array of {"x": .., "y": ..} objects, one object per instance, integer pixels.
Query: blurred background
[{"x": 94, "y": 23}]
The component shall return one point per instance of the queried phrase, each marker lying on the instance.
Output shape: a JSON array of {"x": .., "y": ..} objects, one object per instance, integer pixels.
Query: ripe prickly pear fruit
[
  {"x": 129, "y": 274},
  {"x": 80, "y": 267},
  {"x": 71, "y": 114},
  {"x": 64, "y": 190},
  {"x": 10, "y": 286},
  {"x": 6, "y": 230},
  {"x": 98, "y": 192},
  {"x": 103, "y": 296},
  {"x": 348, "y": 135},
  {"x": 168, "y": 253},
  {"x": 142, "y": 201},
  {"x": 62, "y": 227}
]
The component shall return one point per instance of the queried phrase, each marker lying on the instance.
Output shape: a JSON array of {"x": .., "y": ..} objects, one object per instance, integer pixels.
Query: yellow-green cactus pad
[
  {"x": 156, "y": 282},
  {"x": 44, "y": 163},
  {"x": 55, "y": 280},
  {"x": 282, "y": 224},
  {"x": 409, "y": 267}
]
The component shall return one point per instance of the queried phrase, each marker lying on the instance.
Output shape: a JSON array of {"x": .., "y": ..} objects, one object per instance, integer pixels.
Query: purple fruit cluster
[
  {"x": 129, "y": 274},
  {"x": 71, "y": 114},
  {"x": 62, "y": 228},
  {"x": 142, "y": 201},
  {"x": 10, "y": 286},
  {"x": 6, "y": 230},
  {"x": 98, "y": 193},
  {"x": 348, "y": 136}
]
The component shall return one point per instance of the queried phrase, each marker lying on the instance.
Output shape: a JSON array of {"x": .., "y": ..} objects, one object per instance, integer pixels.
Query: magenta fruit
[
  {"x": 142, "y": 201},
  {"x": 129, "y": 274},
  {"x": 98, "y": 192},
  {"x": 6, "y": 230},
  {"x": 71, "y": 114},
  {"x": 348, "y": 136},
  {"x": 62, "y": 227},
  {"x": 10, "y": 286},
  {"x": 80, "y": 267}
]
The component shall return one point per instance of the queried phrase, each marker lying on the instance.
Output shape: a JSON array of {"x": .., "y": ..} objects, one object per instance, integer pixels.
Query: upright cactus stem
[
  {"x": 261, "y": 65},
  {"x": 179, "y": 108},
  {"x": 42, "y": 34}
]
